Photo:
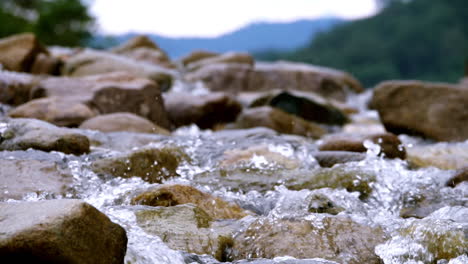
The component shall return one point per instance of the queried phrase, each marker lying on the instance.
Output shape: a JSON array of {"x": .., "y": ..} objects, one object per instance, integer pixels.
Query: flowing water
[{"x": 270, "y": 191}]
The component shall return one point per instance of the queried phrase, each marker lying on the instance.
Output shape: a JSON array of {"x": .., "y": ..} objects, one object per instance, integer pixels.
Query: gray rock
[{"x": 59, "y": 231}]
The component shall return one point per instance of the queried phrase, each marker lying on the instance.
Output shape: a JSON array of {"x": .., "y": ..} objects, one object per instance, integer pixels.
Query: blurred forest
[
  {"x": 56, "y": 22},
  {"x": 412, "y": 39}
]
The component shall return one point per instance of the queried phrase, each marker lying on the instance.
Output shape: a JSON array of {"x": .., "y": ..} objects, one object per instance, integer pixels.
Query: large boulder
[
  {"x": 306, "y": 105},
  {"x": 23, "y": 133},
  {"x": 234, "y": 77},
  {"x": 59, "y": 231},
  {"x": 20, "y": 177},
  {"x": 18, "y": 52},
  {"x": 278, "y": 120},
  {"x": 60, "y": 111},
  {"x": 205, "y": 111},
  {"x": 172, "y": 195},
  {"x": 332, "y": 238},
  {"x": 187, "y": 228},
  {"x": 122, "y": 122},
  {"x": 230, "y": 57},
  {"x": 90, "y": 62},
  {"x": 433, "y": 110},
  {"x": 151, "y": 164}
]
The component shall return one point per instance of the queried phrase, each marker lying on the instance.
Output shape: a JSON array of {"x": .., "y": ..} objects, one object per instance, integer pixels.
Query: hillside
[
  {"x": 422, "y": 39},
  {"x": 251, "y": 38}
]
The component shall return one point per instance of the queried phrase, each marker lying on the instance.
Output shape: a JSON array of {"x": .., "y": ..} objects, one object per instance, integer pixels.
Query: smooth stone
[
  {"x": 122, "y": 122},
  {"x": 18, "y": 52}
]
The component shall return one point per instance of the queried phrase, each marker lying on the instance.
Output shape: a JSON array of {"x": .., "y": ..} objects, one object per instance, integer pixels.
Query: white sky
[{"x": 208, "y": 18}]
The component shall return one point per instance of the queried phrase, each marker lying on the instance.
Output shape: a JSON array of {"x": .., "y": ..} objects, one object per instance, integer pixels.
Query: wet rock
[
  {"x": 321, "y": 204},
  {"x": 459, "y": 177},
  {"x": 330, "y": 158},
  {"x": 332, "y": 238},
  {"x": 59, "y": 231},
  {"x": 305, "y": 105},
  {"x": 56, "y": 110},
  {"x": 236, "y": 78},
  {"x": 23, "y": 133},
  {"x": 205, "y": 111},
  {"x": 423, "y": 205},
  {"x": 448, "y": 156},
  {"x": 188, "y": 228},
  {"x": 44, "y": 64},
  {"x": 390, "y": 145},
  {"x": 113, "y": 92},
  {"x": 229, "y": 57},
  {"x": 19, "y": 88},
  {"x": 433, "y": 110},
  {"x": 172, "y": 195},
  {"x": 122, "y": 122},
  {"x": 285, "y": 260},
  {"x": 426, "y": 241},
  {"x": 279, "y": 121},
  {"x": 197, "y": 55},
  {"x": 142, "y": 48},
  {"x": 18, "y": 52},
  {"x": 41, "y": 177},
  {"x": 89, "y": 62},
  {"x": 151, "y": 164}
]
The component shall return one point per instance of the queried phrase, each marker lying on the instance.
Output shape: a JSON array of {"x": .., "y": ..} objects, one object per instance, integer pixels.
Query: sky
[{"x": 211, "y": 18}]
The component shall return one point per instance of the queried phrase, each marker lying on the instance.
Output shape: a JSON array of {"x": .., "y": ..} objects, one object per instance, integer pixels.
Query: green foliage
[
  {"x": 55, "y": 22},
  {"x": 420, "y": 39}
]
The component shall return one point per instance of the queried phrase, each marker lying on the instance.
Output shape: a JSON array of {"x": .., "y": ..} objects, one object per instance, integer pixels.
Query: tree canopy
[
  {"x": 58, "y": 22},
  {"x": 418, "y": 39}
]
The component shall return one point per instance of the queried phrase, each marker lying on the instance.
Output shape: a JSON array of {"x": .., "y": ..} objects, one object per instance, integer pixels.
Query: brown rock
[
  {"x": 122, "y": 122},
  {"x": 59, "y": 231},
  {"x": 332, "y": 238},
  {"x": 460, "y": 176},
  {"x": 197, "y": 55},
  {"x": 433, "y": 110},
  {"x": 19, "y": 88},
  {"x": 446, "y": 156},
  {"x": 390, "y": 145},
  {"x": 44, "y": 64},
  {"x": 140, "y": 41},
  {"x": 55, "y": 110},
  {"x": 151, "y": 164},
  {"x": 230, "y": 57},
  {"x": 237, "y": 78},
  {"x": 21, "y": 177},
  {"x": 278, "y": 120},
  {"x": 18, "y": 52},
  {"x": 23, "y": 133},
  {"x": 206, "y": 111},
  {"x": 329, "y": 158},
  {"x": 171, "y": 195}
]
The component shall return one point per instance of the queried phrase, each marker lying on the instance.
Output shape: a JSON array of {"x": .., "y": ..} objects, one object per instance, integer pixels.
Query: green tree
[{"x": 57, "y": 22}]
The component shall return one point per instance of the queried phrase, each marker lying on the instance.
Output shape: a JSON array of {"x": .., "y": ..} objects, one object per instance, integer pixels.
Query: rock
[
  {"x": 122, "y": 122},
  {"x": 18, "y": 52},
  {"x": 141, "y": 48},
  {"x": 285, "y": 260},
  {"x": 41, "y": 177},
  {"x": 188, "y": 228},
  {"x": 447, "y": 156},
  {"x": 330, "y": 158},
  {"x": 433, "y": 110},
  {"x": 459, "y": 177},
  {"x": 56, "y": 110},
  {"x": 89, "y": 62},
  {"x": 23, "y": 133},
  {"x": 59, "y": 231},
  {"x": 19, "y": 88},
  {"x": 172, "y": 195},
  {"x": 420, "y": 205},
  {"x": 205, "y": 111},
  {"x": 279, "y": 121},
  {"x": 307, "y": 106},
  {"x": 237, "y": 78},
  {"x": 111, "y": 93},
  {"x": 229, "y": 57},
  {"x": 321, "y": 204},
  {"x": 390, "y": 145},
  {"x": 332, "y": 238},
  {"x": 151, "y": 164},
  {"x": 44, "y": 64},
  {"x": 197, "y": 55}
]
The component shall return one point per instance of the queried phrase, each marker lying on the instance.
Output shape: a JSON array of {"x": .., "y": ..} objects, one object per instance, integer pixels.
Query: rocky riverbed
[{"x": 124, "y": 156}]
